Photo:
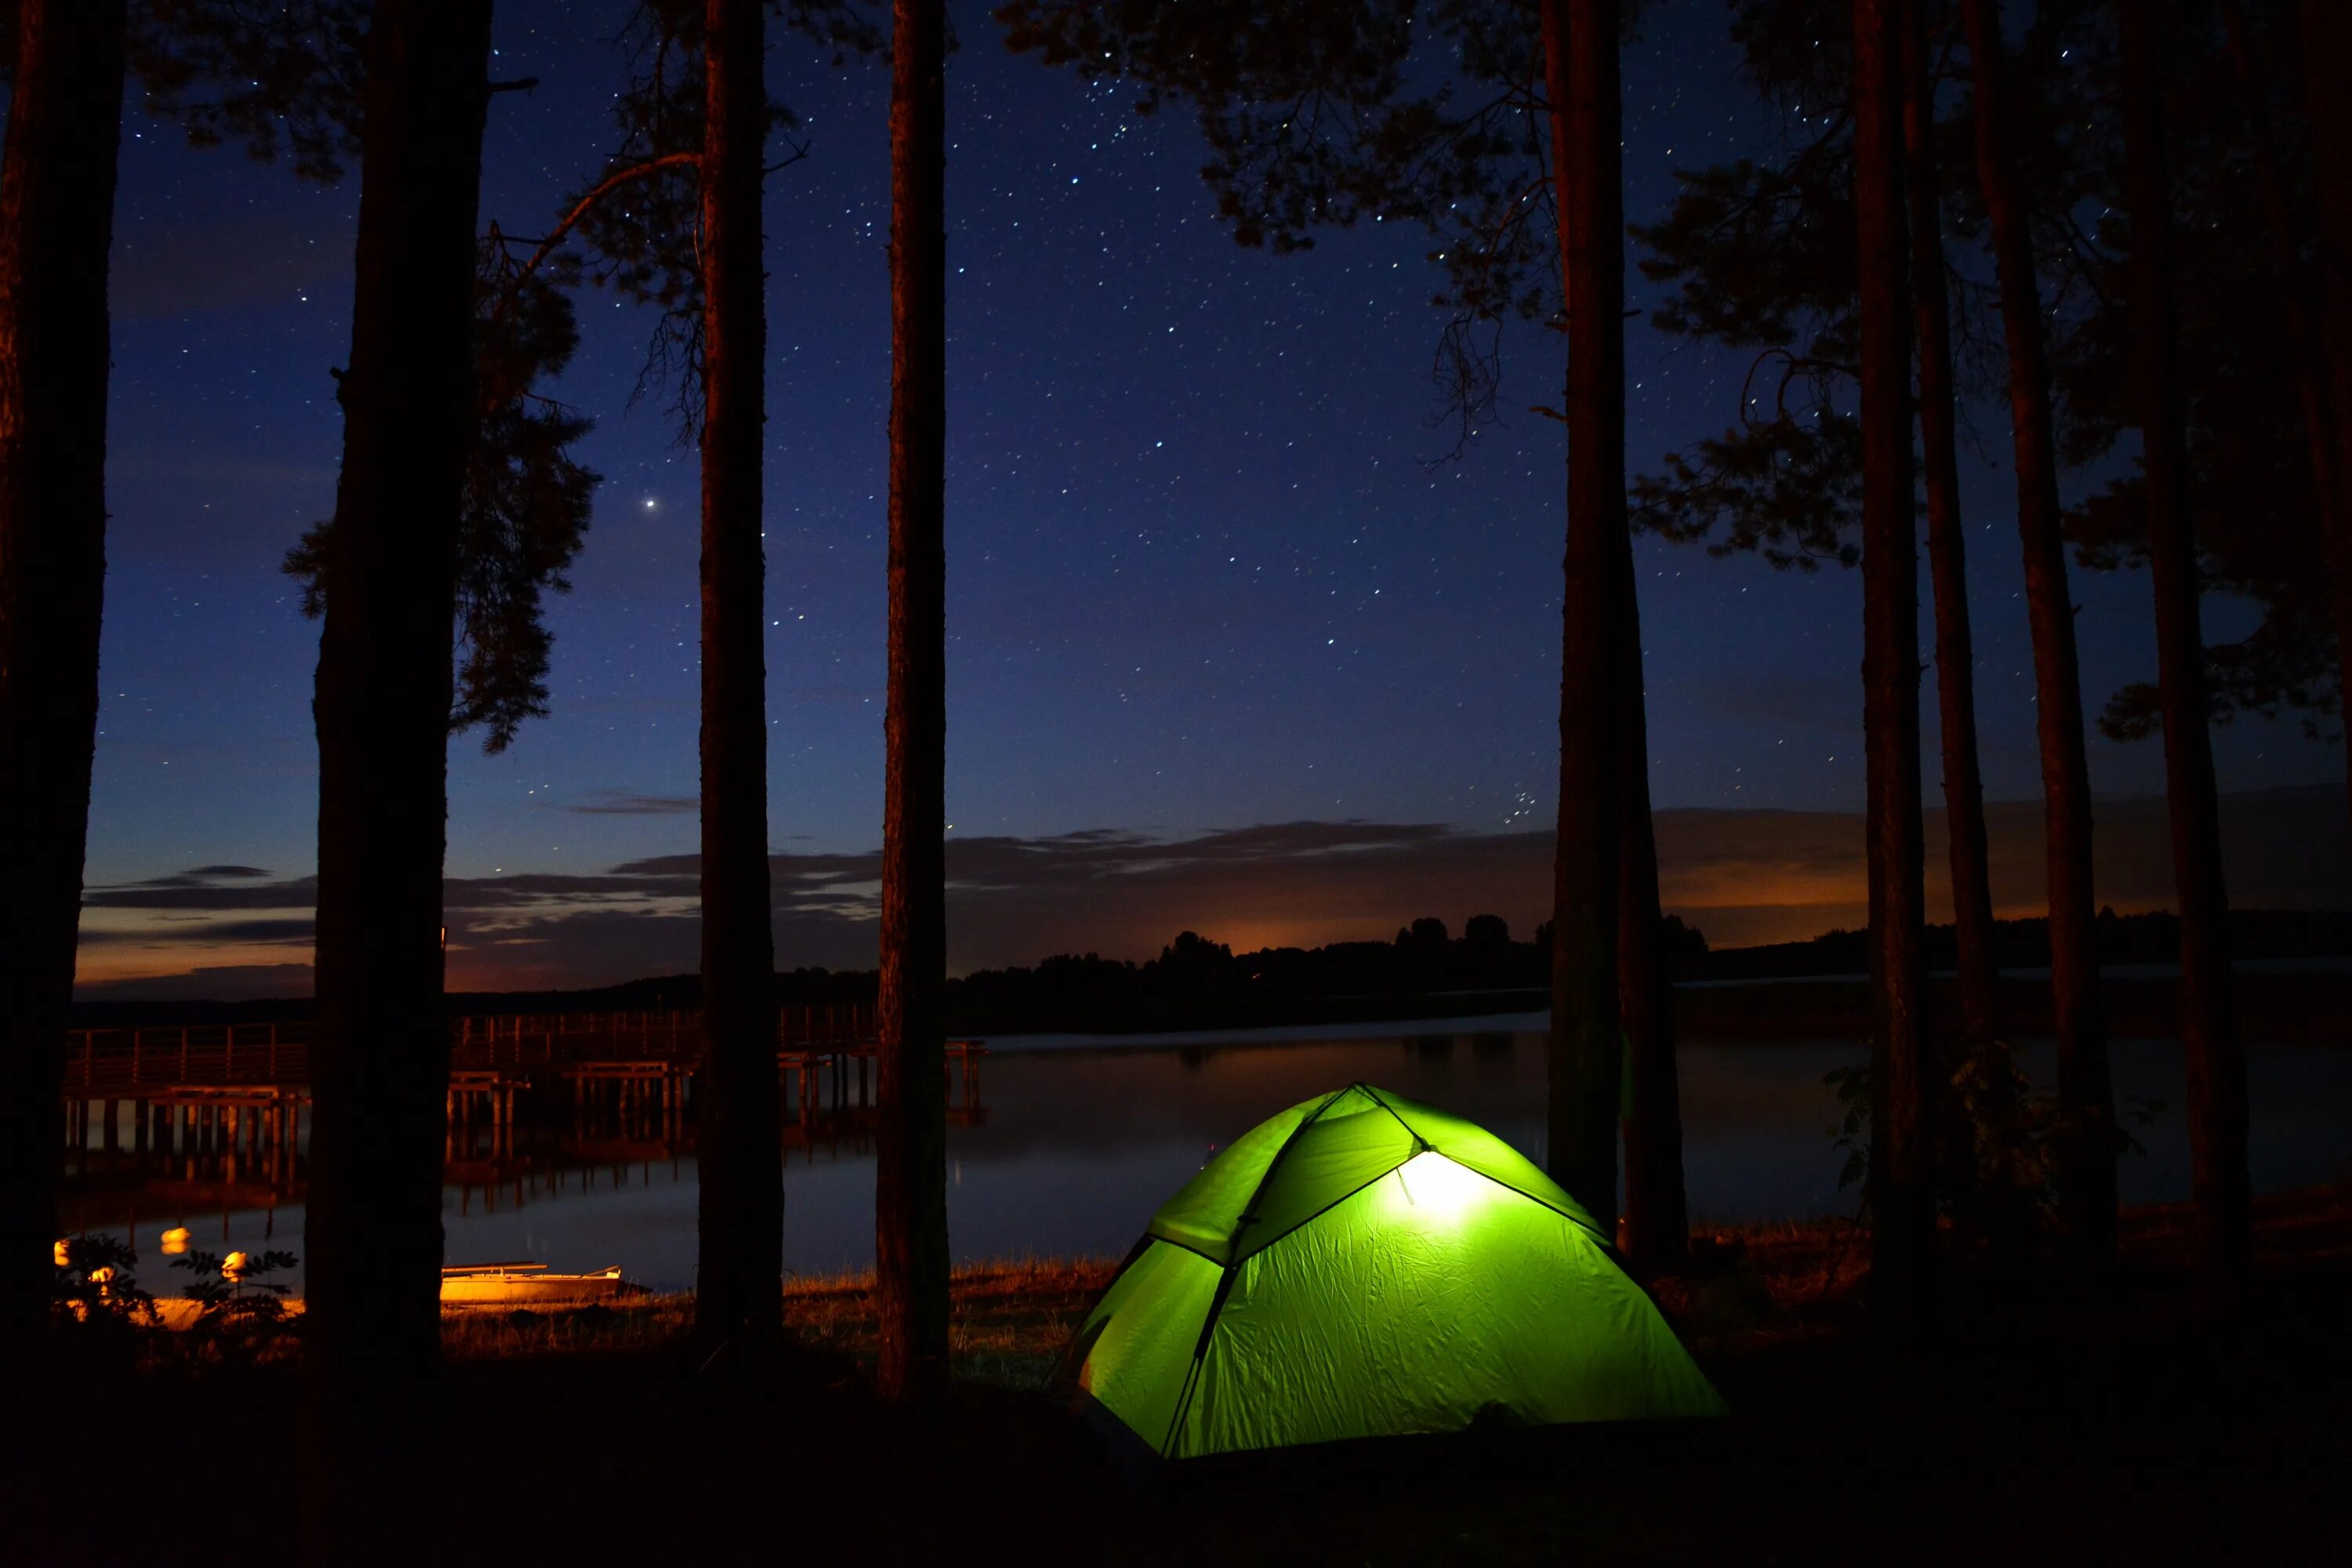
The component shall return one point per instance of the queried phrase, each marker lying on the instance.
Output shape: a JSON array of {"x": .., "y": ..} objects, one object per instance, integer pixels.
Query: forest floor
[{"x": 2126, "y": 1423}]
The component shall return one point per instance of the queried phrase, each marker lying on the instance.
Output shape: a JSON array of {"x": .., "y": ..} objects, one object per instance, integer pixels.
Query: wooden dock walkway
[{"x": 197, "y": 1085}]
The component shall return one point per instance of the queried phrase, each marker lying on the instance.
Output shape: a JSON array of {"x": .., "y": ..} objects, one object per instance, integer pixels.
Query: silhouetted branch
[{"x": 587, "y": 204}]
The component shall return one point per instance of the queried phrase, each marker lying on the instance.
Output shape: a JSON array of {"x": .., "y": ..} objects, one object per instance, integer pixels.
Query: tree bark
[
  {"x": 1956, "y": 688},
  {"x": 2210, "y": 1048},
  {"x": 739, "y": 1300},
  {"x": 1657, "y": 1213},
  {"x": 2327, "y": 62},
  {"x": 1580, "y": 73},
  {"x": 1902, "y": 1202},
  {"x": 380, "y": 1056},
  {"x": 910, "y": 1228},
  {"x": 56, "y": 223},
  {"x": 2304, "y": 320},
  {"x": 2086, "y": 1133},
  {"x": 1657, "y": 1207}
]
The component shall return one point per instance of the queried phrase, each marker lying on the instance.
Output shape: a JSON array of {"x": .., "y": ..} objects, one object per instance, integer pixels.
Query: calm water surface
[{"x": 1078, "y": 1141}]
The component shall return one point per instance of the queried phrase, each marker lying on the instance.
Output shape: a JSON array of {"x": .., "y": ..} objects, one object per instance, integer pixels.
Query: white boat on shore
[{"x": 530, "y": 1285}]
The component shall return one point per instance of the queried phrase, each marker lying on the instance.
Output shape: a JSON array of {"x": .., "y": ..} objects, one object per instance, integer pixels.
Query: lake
[{"x": 1075, "y": 1142}]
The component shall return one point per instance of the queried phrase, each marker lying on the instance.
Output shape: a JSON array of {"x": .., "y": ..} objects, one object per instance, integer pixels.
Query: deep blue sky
[{"x": 1202, "y": 572}]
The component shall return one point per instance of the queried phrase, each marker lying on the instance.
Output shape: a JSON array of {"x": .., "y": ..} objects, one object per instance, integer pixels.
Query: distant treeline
[
  {"x": 2150, "y": 937},
  {"x": 1425, "y": 971}
]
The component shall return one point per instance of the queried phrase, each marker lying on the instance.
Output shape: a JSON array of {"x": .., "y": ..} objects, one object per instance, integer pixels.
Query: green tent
[{"x": 1363, "y": 1265}]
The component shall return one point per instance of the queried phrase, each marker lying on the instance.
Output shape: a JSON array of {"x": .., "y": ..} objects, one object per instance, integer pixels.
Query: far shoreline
[{"x": 2299, "y": 1005}]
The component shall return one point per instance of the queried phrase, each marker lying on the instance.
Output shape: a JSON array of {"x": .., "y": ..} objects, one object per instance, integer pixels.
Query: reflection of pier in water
[{"x": 177, "y": 1122}]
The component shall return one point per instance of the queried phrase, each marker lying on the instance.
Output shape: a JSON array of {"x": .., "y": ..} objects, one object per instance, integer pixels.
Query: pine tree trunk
[
  {"x": 1903, "y": 1204},
  {"x": 1657, "y": 1208},
  {"x": 2214, "y": 1057},
  {"x": 1581, "y": 45},
  {"x": 2327, "y": 62},
  {"x": 1956, "y": 687},
  {"x": 739, "y": 1299},
  {"x": 1657, "y": 1211},
  {"x": 2302, "y": 321},
  {"x": 380, "y": 1056},
  {"x": 910, "y": 1202},
  {"x": 57, "y": 221},
  {"x": 2086, "y": 1155}
]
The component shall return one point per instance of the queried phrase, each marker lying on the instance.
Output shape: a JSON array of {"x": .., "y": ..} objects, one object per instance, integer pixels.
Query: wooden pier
[{"x": 241, "y": 1087}]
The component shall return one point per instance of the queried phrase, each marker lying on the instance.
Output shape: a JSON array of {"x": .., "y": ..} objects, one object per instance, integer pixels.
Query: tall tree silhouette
[
  {"x": 527, "y": 502},
  {"x": 287, "y": 79},
  {"x": 2086, "y": 1157},
  {"x": 284, "y": 80},
  {"x": 2209, "y": 1025},
  {"x": 1763, "y": 255},
  {"x": 1956, "y": 698},
  {"x": 674, "y": 220},
  {"x": 1328, "y": 116},
  {"x": 2240, "y": 160},
  {"x": 2303, "y": 321},
  {"x": 1658, "y": 1206},
  {"x": 56, "y": 216},
  {"x": 1903, "y": 1185},
  {"x": 1581, "y": 77},
  {"x": 910, "y": 1225},
  {"x": 2327, "y": 98},
  {"x": 739, "y": 1301},
  {"x": 379, "y": 1055}
]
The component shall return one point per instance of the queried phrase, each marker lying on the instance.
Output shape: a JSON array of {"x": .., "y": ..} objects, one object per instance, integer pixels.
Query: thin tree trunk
[
  {"x": 380, "y": 1057},
  {"x": 1580, "y": 73},
  {"x": 2327, "y": 62},
  {"x": 2086, "y": 1154},
  {"x": 1956, "y": 687},
  {"x": 2215, "y": 1060},
  {"x": 56, "y": 223},
  {"x": 911, "y": 1201},
  {"x": 1903, "y": 1206},
  {"x": 739, "y": 1299},
  {"x": 2303, "y": 318},
  {"x": 1657, "y": 1208}
]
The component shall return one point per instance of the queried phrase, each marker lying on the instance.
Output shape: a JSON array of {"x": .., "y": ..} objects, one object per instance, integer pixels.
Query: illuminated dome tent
[{"x": 1363, "y": 1265}]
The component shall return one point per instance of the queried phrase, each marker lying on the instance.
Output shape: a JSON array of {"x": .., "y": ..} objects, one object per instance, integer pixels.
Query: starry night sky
[{"x": 1204, "y": 571}]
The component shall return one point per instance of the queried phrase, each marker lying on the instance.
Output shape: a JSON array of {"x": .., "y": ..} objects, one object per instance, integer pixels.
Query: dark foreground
[{"x": 2127, "y": 1427}]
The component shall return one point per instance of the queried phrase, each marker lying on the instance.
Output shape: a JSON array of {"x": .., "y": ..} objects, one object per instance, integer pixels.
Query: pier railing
[
  {"x": 103, "y": 1062},
  {"x": 98, "y": 1061}
]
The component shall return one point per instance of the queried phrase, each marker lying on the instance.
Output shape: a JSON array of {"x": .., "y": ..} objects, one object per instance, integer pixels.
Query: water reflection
[{"x": 1077, "y": 1144}]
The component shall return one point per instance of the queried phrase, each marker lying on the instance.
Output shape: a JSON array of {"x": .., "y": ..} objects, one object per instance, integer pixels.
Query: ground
[{"x": 2129, "y": 1424}]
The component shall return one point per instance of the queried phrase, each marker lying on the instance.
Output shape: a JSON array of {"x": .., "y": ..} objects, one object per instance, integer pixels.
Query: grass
[
  {"x": 2120, "y": 1423},
  {"x": 1009, "y": 1319}
]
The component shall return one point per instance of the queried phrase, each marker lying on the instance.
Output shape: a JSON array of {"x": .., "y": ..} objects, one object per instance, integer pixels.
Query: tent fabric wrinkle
[{"x": 1363, "y": 1265}]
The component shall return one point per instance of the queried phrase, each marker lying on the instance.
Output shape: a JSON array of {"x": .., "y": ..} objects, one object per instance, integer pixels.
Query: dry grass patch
[{"x": 1009, "y": 1321}]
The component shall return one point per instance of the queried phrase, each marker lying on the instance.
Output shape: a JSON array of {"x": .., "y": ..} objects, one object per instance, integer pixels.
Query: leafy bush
[
  {"x": 1996, "y": 1152},
  {"x": 93, "y": 1286},
  {"x": 242, "y": 1313}
]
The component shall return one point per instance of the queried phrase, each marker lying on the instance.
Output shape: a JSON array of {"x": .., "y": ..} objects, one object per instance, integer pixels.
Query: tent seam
[
  {"x": 1150, "y": 1235},
  {"x": 1343, "y": 1197},
  {"x": 1584, "y": 1224},
  {"x": 1225, "y": 1279},
  {"x": 1507, "y": 1186},
  {"x": 1396, "y": 1116}
]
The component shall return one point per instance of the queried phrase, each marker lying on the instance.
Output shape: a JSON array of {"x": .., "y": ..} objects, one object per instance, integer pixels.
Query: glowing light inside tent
[{"x": 1434, "y": 1192}]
